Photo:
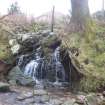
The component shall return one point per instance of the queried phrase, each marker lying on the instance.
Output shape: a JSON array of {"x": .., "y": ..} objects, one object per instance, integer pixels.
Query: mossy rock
[
  {"x": 51, "y": 41},
  {"x": 5, "y": 52},
  {"x": 4, "y": 87},
  {"x": 50, "y": 44},
  {"x": 16, "y": 76}
]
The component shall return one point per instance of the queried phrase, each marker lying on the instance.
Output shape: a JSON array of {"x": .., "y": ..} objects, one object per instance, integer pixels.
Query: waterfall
[
  {"x": 30, "y": 70},
  {"x": 36, "y": 67},
  {"x": 60, "y": 72}
]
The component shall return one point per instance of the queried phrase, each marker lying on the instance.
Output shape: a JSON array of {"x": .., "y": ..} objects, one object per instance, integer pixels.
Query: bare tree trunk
[{"x": 80, "y": 14}]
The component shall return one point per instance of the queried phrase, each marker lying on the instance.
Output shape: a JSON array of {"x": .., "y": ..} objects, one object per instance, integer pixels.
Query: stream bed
[{"x": 26, "y": 96}]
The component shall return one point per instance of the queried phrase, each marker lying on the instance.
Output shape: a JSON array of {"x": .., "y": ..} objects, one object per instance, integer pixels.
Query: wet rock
[
  {"x": 44, "y": 98},
  {"x": 4, "y": 87},
  {"x": 16, "y": 76},
  {"x": 45, "y": 33},
  {"x": 12, "y": 82},
  {"x": 103, "y": 93},
  {"x": 92, "y": 99},
  {"x": 40, "y": 92},
  {"x": 30, "y": 96},
  {"x": 24, "y": 96},
  {"x": 51, "y": 42},
  {"x": 23, "y": 37},
  {"x": 29, "y": 44},
  {"x": 80, "y": 99},
  {"x": 56, "y": 102}
]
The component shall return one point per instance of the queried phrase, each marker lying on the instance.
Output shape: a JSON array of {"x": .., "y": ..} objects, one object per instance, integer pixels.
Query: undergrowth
[{"x": 91, "y": 46}]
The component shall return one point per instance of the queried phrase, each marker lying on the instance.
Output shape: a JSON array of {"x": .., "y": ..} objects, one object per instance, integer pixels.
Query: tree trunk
[{"x": 80, "y": 14}]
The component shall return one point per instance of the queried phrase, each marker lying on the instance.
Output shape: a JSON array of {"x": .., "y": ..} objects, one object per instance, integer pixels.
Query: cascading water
[
  {"x": 37, "y": 69},
  {"x": 30, "y": 70},
  {"x": 60, "y": 72},
  {"x": 20, "y": 61}
]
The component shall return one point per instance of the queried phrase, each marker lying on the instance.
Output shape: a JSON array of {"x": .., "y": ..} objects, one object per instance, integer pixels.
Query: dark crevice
[{"x": 72, "y": 74}]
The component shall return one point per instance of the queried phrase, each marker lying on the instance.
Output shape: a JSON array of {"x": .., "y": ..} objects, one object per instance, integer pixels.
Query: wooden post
[{"x": 52, "y": 20}]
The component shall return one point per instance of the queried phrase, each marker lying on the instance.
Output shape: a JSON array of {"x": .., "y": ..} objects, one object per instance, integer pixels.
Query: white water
[
  {"x": 59, "y": 67},
  {"x": 20, "y": 60},
  {"x": 36, "y": 68},
  {"x": 30, "y": 70}
]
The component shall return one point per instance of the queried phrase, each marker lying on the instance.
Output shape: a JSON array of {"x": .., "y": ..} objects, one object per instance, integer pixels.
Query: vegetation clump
[
  {"x": 91, "y": 46},
  {"x": 5, "y": 51}
]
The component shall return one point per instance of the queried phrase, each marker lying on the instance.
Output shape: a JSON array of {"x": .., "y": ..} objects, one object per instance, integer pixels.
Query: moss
[
  {"x": 91, "y": 45},
  {"x": 91, "y": 83},
  {"x": 5, "y": 52},
  {"x": 89, "y": 32},
  {"x": 100, "y": 60},
  {"x": 49, "y": 41},
  {"x": 49, "y": 44}
]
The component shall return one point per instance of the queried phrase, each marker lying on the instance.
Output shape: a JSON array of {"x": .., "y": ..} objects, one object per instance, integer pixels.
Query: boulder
[
  {"x": 57, "y": 102},
  {"x": 29, "y": 44},
  {"x": 40, "y": 92},
  {"x": 80, "y": 99},
  {"x": 4, "y": 87},
  {"x": 15, "y": 49},
  {"x": 16, "y": 76},
  {"x": 92, "y": 99},
  {"x": 12, "y": 42}
]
